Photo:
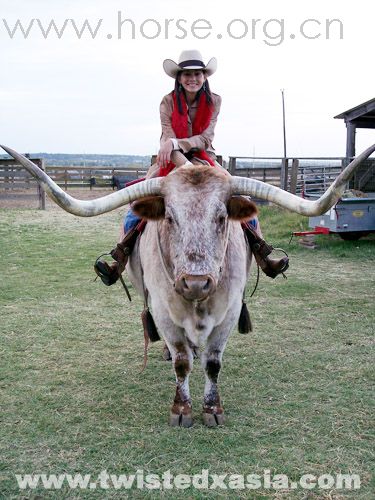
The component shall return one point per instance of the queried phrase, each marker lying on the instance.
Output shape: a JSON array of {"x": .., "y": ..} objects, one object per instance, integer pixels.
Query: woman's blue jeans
[{"x": 130, "y": 220}]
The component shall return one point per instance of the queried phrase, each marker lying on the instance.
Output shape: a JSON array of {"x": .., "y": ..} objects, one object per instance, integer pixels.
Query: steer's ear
[
  {"x": 241, "y": 208},
  {"x": 151, "y": 208}
]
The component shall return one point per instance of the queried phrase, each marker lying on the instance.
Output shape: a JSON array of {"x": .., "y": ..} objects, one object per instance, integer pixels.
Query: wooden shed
[{"x": 362, "y": 116}]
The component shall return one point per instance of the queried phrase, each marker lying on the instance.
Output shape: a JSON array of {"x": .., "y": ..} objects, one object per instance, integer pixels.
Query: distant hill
[{"x": 79, "y": 160}]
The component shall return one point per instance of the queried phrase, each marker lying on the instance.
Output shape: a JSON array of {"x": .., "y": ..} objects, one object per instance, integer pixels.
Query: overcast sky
[{"x": 102, "y": 94}]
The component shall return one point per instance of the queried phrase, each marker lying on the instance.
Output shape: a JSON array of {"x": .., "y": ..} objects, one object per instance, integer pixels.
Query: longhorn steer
[
  {"x": 193, "y": 259},
  {"x": 195, "y": 262}
]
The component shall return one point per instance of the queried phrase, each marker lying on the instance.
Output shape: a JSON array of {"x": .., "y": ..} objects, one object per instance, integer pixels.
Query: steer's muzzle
[{"x": 195, "y": 287}]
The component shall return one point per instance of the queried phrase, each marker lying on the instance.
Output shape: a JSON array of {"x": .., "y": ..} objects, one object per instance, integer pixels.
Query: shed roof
[{"x": 362, "y": 116}]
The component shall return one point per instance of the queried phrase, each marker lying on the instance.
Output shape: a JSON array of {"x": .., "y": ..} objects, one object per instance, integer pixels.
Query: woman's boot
[
  {"x": 110, "y": 273},
  {"x": 261, "y": 251}
]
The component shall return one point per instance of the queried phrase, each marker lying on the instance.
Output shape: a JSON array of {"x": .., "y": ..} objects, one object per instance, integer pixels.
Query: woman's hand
[{"x": 164, "y": 155}]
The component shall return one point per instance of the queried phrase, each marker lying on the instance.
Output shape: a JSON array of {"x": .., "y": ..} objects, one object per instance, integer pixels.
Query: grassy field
[{"x": 298, "y": 391}]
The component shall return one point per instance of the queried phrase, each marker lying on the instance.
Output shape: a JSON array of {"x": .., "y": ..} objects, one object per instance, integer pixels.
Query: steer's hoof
[
  {"x": 180, "y": 420},
  {"x": 213, "y": 416},
  {"x": 181, "y": 414}
]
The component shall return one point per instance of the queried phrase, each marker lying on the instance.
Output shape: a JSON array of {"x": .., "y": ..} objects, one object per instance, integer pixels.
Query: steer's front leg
[
  {"x": 213, "y": 413},
  {"x": 211, "y": 358},
  {"x": 182, "y": 359}
]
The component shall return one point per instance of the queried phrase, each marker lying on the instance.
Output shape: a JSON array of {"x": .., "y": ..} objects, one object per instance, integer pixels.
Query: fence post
[
  {"x": 41, "y": 192},
  {"x": 6, "y": 177},
  {"x": 284, "y": 174},
  {"x": 232, "y": 165},
  {"x": 294, "y": 175}
]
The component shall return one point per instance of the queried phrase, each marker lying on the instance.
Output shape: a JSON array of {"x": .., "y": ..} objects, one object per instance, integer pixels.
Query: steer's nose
[{"x": 195, "y": 287}]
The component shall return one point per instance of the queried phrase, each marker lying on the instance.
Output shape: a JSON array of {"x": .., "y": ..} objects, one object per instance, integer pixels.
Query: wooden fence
[
  {"x": 73, "y": 177},
  {"x": 302, "y": 176},
  {"x": 16, "y": 182}
]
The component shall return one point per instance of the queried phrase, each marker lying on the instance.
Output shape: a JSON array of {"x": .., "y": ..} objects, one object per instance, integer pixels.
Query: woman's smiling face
[{"x": 192, "y": 80}]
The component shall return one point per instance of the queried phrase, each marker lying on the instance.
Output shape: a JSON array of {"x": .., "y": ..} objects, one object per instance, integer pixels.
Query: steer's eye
[
  {"x": 169, "y": 219},
  {"x": 221, "y": 220}
]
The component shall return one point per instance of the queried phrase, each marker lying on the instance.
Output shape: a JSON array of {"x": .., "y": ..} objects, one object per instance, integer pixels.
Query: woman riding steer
[{"x": 188, "y": 117}]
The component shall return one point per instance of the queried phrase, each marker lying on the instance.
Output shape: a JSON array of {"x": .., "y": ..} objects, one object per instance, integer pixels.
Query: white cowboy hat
[{"x": 189, "y": 59}]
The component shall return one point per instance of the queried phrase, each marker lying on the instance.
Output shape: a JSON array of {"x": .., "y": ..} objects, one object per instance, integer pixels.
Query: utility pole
[
  {"x": 284, "y": 130},
  {"x": 284, "y": 163}
]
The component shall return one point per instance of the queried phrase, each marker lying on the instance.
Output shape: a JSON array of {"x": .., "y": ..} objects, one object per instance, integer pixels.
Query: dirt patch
[{"x": 27, "y": 198}]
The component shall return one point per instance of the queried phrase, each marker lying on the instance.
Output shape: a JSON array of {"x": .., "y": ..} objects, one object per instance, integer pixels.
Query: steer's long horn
[
  {"x": 259, "y": 189},
  {"x": 86, "y": 208}
]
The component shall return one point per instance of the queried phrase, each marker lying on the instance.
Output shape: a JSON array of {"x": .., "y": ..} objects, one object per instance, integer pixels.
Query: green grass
[{"x": 298, "y": 391}]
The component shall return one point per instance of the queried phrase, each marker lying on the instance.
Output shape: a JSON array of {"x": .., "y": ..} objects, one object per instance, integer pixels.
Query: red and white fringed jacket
[{"x": 193, "y": 129}]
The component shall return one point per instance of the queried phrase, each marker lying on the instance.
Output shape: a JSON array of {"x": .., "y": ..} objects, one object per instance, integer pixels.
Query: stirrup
[
  {"x": 273, "y": 273},
  {"x": 106, "y": 274}
]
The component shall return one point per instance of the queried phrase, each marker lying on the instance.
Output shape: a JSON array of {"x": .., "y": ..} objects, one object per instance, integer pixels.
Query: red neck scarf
[{"x": 180, "y": 126}]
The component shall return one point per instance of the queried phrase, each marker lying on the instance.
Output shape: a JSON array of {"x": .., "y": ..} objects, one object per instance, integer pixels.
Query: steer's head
[{"x": 194, "y": 209}]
